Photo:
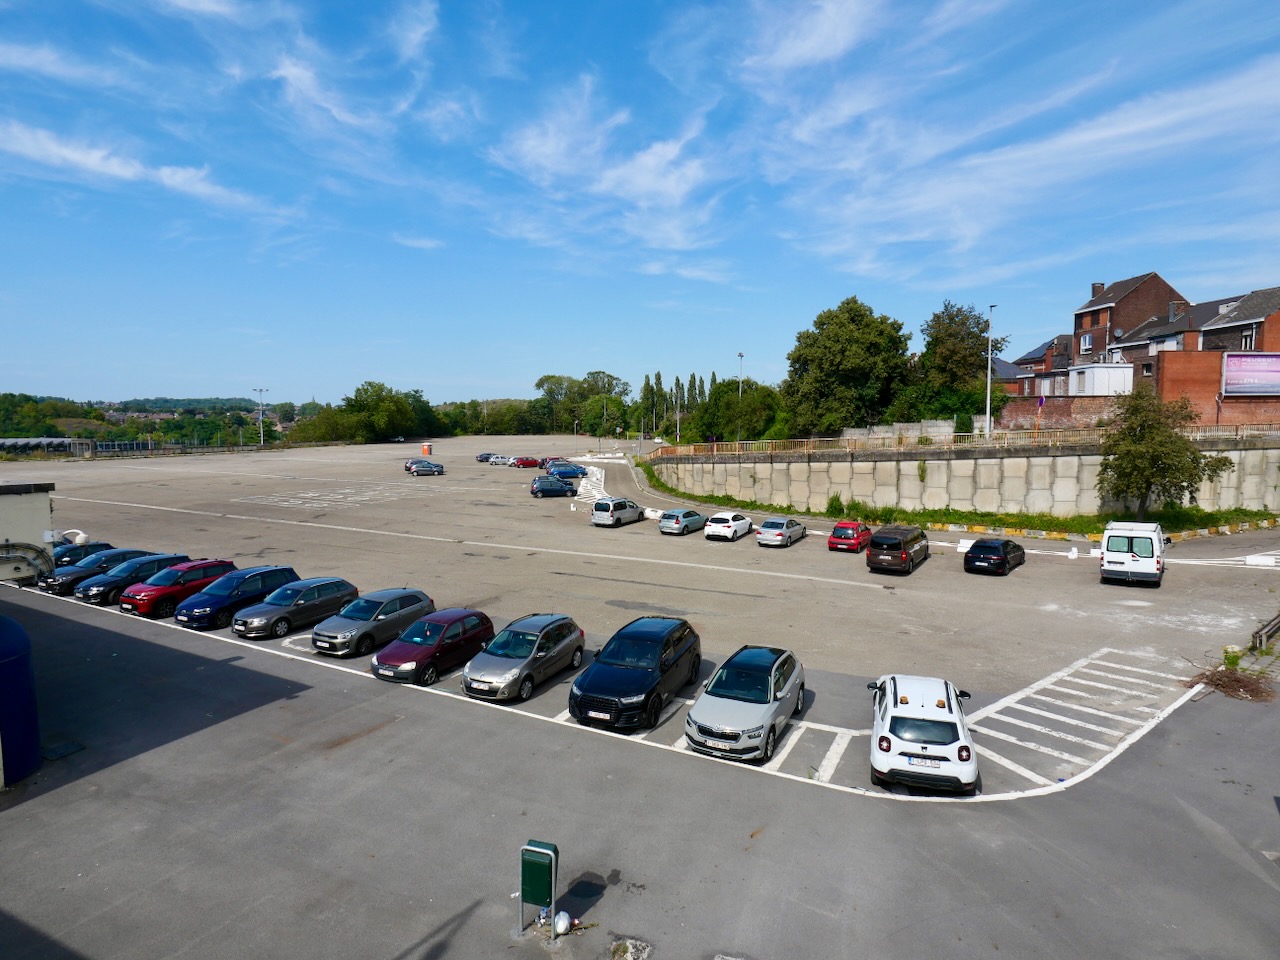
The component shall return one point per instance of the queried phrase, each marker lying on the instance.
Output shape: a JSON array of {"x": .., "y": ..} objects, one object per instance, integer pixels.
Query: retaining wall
[{"x": 1061, "y": 482}]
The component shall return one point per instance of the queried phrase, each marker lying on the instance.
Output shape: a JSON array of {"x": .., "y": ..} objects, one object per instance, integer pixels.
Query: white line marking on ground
[
  {"x": 1149, "y": 673},
  {"x": 1038, "y": 728},
  {"x": 563, "y": 716},
  {"x": 1114, "y": 676},
  {"x": 1061, "y": 719},
  {"x": 1001, "y": 735},
  {"x": 790, "y": 737},
  {"x": 1014, "y": 767},
  {"x": 1093, "y": 711},
  {"x": 835, "y": 752},
  {"x": 1103, "y": 686}
]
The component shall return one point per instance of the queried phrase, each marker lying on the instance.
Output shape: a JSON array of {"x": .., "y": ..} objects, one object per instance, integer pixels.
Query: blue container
[{"x": 19, "y": 725}]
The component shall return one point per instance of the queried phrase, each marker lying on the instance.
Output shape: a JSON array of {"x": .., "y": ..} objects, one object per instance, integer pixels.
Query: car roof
[
  {"x": 850, "y": 523},
  {"x": 197, "y": 564},
  {"x": 923, "y": 695},
  {"x": 770, "y": 520},
  {"x": 451, "y": 614},
  {"x": 756, "y": 659},
  {"x": 990, "y": 542},
  {"x": 650, "y": 628},
  {"x": 536, "y": 621},
  {"x": 249, "y": 571},
  {"x": 313, "y": 581},
  {"x": 727, "y": 515},
  {"x": 390, "y": 593}
]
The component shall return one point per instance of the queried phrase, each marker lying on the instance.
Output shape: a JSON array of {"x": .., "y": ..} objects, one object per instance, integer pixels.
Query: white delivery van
[{"x": 1133, "y": 551}]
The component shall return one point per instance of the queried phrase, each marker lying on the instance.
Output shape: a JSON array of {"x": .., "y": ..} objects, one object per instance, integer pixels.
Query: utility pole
[
  {"x": 987, "y": 422},
  {"x": 739, "y": 401},
  {"x": 261, "y": 433}
]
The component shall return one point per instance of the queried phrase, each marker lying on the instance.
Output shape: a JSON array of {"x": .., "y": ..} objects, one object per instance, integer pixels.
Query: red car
[
  {"x": 849, "y": 535},
  {"x": 160, "y": 595},
  {"x": 433, "y": 646},
  {"x": 523, "y": 462}
]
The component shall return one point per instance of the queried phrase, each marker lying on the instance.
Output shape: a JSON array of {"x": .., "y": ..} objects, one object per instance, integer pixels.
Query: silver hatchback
[
  {"x": 527, "y": 652},
  {"x": 744, "y": 708},
  {"x": 373, "y": 620}
]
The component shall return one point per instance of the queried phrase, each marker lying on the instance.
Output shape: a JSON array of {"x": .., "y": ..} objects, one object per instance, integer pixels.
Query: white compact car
[
  {"x": 919, "y": 735},
  {"x": 726, "y": 525}
]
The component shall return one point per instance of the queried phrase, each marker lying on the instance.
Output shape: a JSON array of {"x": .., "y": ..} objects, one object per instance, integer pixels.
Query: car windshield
[
  {"x": 917, "y": 730},
  {"x": 124, "y": 569},
  {"x": 843, "y": 533},
  {"x": 283, "y": 597},
  {"x": 886, "y": 543},
  {"x": 165, "y": 578},
  {"x": 222, "y": 587},
  {"x": 749, "y": 686},
  {"x": 512, "y": 644},
  {"x": 92, "y": 561},
  {"x": 718, "y": 520},
  {"x": 424, "y": 633},
  {"x": 361, "y": 609},
  {"x": 629, "y": 652}
]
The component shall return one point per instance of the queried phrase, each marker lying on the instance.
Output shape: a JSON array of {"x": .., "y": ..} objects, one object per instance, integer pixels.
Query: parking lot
[{"x": 1066, "y": 674}]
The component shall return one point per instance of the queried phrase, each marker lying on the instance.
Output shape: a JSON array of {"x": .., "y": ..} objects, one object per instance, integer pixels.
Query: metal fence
[{"x": 999, "y": 439}]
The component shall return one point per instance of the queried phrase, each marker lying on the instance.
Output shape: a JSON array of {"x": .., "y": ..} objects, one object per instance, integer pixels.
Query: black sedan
[{"x": 993, "y": 556}]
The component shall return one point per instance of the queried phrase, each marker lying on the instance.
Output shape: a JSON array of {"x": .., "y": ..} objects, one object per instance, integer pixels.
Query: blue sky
[{"x": 201, "y": 197}]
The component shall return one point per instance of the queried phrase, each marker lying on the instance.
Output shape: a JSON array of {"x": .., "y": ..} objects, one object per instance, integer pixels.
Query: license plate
[
  {"x": 127, "y": 606},
  {"x": 181, "y": 618},
  {"x": 842, "y": 546},
  {"x": 323, "y": 644},
  {"x": 387, "y": 673},
  {"x": 477, "y": 685},
  {"x": 597, "y": 715},
  {"x": 922, "y": 762}
]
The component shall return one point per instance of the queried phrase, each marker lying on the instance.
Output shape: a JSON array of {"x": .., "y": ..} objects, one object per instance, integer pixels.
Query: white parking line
[
  {"x": 1113, "y": 676},
  {"x": 1149, "y": 673},
  {"x": 1047, "y": 731},
  {"x": 790, "y": 737},
  {"x": 1103, "y": 686},
  {"x": 563, "y": 716},
  {"x": 835, "y": 752},
  {"x": 1000, "y": 735},
  {"x": 1061, "y": 719},
  {"x": 1014, "y": 767},
  {"x": 1093, "y": 711}
]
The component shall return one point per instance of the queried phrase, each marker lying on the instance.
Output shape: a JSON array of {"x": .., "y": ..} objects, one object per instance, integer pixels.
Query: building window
[
  {"x": 1080, "y": 382},
  {"x": 1146, "y": 369},
  {"x": 1086, "y": 343},
  {"x": 1246, "y": 339}
]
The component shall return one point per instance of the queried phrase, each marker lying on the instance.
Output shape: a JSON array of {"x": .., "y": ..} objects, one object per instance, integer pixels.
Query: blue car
[
  {"x": 567, "y": 471},
  {"x": 216, "y": 604}
]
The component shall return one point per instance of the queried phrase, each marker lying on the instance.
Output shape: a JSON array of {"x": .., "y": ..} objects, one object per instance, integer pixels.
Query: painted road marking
[
  {"x": 1083, "y": 709},
  {"x": 834, "y": 754},
  {"x": 1039, "y": 748},
  {"x": 1047, "y": 731},
  {"x": 1048, "y": 715},
  {"x": 1013, "y": 767}
]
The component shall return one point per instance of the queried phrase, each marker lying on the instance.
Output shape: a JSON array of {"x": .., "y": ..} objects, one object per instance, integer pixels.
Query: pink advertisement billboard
[{"x": 1250, "y": 374}]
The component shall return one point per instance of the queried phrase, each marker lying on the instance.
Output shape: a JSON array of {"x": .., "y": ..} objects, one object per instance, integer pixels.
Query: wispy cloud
[
  {"x": 812, "y": 32},
  {"x": 413, "y": 27},
  {"x": 417, "y": 243},
  {"x": 311, "y": 98},
  {"x": 227, "y": 9},
  {"x": 48, "y": 62}
]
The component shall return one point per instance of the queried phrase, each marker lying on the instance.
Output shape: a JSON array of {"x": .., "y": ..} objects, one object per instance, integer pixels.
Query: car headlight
[
  {"x": 509, "y": 675},
  {"x": 202, "y": 611},
  {"x": 346, "y": 634},
  {"x": 374, "y": 662},
  {"x": 754, "y": 733},
  {"x": 258, "y": 622},
  {"x": 638, "y": 698},
  {"x": 95, "y": 590},
  {"x": 574, "y": 691}
]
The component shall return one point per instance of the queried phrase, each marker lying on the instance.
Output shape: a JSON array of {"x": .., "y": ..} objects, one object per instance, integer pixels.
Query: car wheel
[
  {"x": 526, "y": 689},
  {"x": 694, "y": 668},
  {"x": 364, "y": 646},
  {"x": 222, "y": 619},
  {"x": 653, "y": 712},
  {"x": 113, "y": 598},
  {"x": 280, "y": 628},
  {"x": 576, "y": 660},
  {"x": 733, "y": 536},
  {"x": 799, "y": 702},
  {"x": 165, "y": 608},
  {"x": 538, "y": 494},
  {"x": 770, "y": 743},
  {"x": 428, "y": 676}
]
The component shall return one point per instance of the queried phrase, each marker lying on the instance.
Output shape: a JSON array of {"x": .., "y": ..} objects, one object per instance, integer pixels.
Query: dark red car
[
  {"x": 850, "y": 535},
  {"x": 160, "y": 595},
  {"x": 523, "y": 462},
  {"x": 433, "y": 646}
]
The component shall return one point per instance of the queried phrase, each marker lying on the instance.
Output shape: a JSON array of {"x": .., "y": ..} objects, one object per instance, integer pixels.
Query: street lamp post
[
  {"x": 739, "y": 401},
  {"x": 987, "y": 422},
  {"x": 261, "y": 433}
]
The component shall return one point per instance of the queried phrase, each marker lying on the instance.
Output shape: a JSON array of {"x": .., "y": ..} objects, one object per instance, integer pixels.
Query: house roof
[
  {"x": 1251, "y": 308},
  {"x": 1038, "y": 353},
  {"x": 1114, "y": 293},
  {"x": 1194, "y": 317},
  {"x": 1004, "y": 370}
]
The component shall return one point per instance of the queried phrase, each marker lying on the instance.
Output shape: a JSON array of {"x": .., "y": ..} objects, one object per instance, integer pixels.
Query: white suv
[{"x": 919, "y": 735}]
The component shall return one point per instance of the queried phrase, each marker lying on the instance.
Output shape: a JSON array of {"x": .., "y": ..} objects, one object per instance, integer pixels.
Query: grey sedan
[
  {"x": 527, "y": 652},
  {"x": 744, "y": 708},
  {"x": 375, "y": 619},
  {"x": 780, "y": 532},
  {"x": 425, "y": 468},
  {"x": 297, "y": 604},
  {"x": 681, "y": 522}
]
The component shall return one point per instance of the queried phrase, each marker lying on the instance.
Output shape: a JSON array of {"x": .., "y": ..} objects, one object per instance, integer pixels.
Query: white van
[{"x": 1133, "y": 551}]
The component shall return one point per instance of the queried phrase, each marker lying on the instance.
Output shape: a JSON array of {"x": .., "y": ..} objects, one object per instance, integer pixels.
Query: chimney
[{"x": 1097, "y": 290}]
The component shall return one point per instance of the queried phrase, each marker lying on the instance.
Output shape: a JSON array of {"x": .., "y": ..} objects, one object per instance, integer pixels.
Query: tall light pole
[
  {"x": 987, "y": 422},
  {"x": 261, "y": 434},
  {"x": 739, "y": 398}
]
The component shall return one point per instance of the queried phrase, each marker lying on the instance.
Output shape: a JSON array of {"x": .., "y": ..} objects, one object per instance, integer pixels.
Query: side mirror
[
  {"x": 705, "y": 684},
  {"x": 381, "y": 616},
  {"x": 962, "y": 694},
  {"x": 1168, "y": 541},
  {"x": 540, "y": 654},
  {"x": 872, "y": 685}
]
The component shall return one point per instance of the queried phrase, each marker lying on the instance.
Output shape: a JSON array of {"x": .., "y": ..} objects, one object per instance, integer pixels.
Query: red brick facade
[{"x": 1150, "y": 297}]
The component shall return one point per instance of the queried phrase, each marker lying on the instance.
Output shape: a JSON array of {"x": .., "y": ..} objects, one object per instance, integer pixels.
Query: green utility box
[{"x": 539, "y": 863}]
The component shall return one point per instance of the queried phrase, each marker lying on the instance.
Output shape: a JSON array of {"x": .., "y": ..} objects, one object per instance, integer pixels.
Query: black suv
[
  {"x": 215, "y": 605},
  {"x": 105, "y": 588},
  {"x": 63, "y": 580},
  {"x": 637, "y": 673}
]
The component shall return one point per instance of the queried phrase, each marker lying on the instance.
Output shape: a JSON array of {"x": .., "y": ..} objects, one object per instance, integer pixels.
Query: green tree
[
  {"x": 846, "y": 370},
  {"x": 955, "y": 347},
  {"x": 1147, "y": 458},
  {"x": 722, "y": 416},
  {"x": 380, "y": 412},
  {"x": 557, "y": 389},
  {"x": 286, "y": 412}
]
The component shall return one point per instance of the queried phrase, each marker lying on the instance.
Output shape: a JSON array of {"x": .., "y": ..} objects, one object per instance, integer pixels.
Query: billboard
[{"x": 1250, "y": 374}]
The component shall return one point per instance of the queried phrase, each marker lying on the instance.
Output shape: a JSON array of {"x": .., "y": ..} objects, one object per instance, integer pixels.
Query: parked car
[
  {"x": 66, "y": 554},
  {"x": 745, "y": 706},
  {"x": 498, "y": 460},
  {"x": 432, "y": 646},
  {"x": 62, "y": 580},
  {"x": 849, "y": 535},
  {"x": 483, "y": 457},
  {"x": 681, "y": 522},
  {"x": 615, "y": 511},
  {"x": 374, "y": 619},
  {"x": 637, "y": 673},
  {"x": 1133, "y": 551},
  {"x": 780, "y": 532},
  {"x": 567, "y": 471},
  {"x": 216, "y": 604},
  {"x": 726, "y": 525},
  {"x": 552, "y": 487},
  {"x": 298, "y": 604},
  {"x": 899, "y": 548},
  {"x": 425, "y": 468},
  {"x": 993, "y": 556},
  {"x": 105, "y": 588},
  {"x": 160, "y": 594},
  {"x": 523, "y": 462},
  {"x": 919, "y": 735},
  {"x": 546, "y": 463},
  {"x": 412, "y": 462},
  {"x": 526, "y": 652}
]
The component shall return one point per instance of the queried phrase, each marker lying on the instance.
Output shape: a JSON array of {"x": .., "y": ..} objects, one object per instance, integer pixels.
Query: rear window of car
[
  {"x": 886, "y": 543},
  {"x": 602, "y": 507},
  {"x": 1138, "y": 546},
  {"x": 986, "y": 549},
  {"x": 843, "y": 533},
  {"x": 773, "y": 525},
  {"x": 917, "y": 730},
  {"x": 671, "y": 516}
]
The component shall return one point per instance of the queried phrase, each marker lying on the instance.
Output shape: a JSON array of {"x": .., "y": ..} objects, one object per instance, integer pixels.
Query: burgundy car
[
  {"x": 433, "y": 646},
  {"x": 160, "y": 595},
  {"x": 849, "y": 535}
]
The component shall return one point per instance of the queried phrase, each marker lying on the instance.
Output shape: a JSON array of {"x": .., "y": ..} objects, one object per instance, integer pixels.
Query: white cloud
[
  {"x": 413, "y": 27},
  {"x": 812, "y": 32},
  {"x": 304, "y": 91},
  {"x": 417, "y": 243},
  {"x": 227, "y": 9},
  {"x": 48, "y": 62},
  {"x": 657, "y": 174}
]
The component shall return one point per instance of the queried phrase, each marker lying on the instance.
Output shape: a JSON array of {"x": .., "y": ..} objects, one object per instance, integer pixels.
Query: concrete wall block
[{"x": 862, "y": 481}]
